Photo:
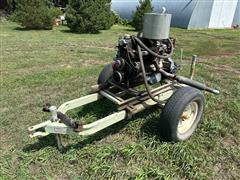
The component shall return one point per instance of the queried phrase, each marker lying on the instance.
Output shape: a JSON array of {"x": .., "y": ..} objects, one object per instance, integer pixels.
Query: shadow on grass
[
  {"x": 130, "y": 29},
  {"x": 28, "y": 29},
  {"x": 48, "y": 141},
  {"x": 100, "y": 109},
  {"x": 72, "y": 32},
  {"x": 98, "y": 136},
  {"x": 151, "y": 127},
  {"x": 21, "y": 29}
]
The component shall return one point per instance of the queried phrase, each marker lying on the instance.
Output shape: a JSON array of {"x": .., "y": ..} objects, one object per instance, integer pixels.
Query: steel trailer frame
[{"x": 126, "y": 108}]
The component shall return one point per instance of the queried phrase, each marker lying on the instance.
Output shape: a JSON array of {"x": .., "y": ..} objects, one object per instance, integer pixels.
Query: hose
[
  {"x": 144, "y": 75},
  {"x": 139, "y": 42},
  {"x": 179, "y": 79}
]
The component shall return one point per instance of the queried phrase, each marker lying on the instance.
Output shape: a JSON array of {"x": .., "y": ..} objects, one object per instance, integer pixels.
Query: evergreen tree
[
  {"x": 89, "y": 16},
  {"x": 35, "y": 14},
  {"x": 7, "y": 5},
  {"x": 145, "y": 6}
]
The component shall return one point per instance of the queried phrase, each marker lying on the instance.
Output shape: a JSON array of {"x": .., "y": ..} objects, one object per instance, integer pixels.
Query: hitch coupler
[{"x": 57, "y": 115}]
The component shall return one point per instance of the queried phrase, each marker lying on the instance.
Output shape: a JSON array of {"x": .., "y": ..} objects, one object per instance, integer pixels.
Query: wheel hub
[{"x": 188, "y": 117}]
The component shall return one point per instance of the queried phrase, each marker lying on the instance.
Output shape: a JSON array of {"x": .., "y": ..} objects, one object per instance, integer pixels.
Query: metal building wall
[
  {"x": 181, "y": 10},
  {"x": 222, "y": 13},
  {"x": 189, "y": 14},
  {"x": 236, "y": 19},
  {"x": 201, "y": 15}
]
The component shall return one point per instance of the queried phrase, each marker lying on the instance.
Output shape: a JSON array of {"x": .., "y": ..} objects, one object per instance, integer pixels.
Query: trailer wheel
[
  {"x": 181, "y": 114},
  {"x": 105, "y": 74}
]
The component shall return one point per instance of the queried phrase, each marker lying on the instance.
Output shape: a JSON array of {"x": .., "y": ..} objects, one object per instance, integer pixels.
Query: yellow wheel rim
[{"x": 188, "y": 117}]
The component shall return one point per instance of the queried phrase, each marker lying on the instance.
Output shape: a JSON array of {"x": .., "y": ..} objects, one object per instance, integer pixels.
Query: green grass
[{"x": 57, "y": 66}]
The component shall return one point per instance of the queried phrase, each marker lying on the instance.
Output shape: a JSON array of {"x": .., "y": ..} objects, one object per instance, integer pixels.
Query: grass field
[{"x": 57, "y": 66}]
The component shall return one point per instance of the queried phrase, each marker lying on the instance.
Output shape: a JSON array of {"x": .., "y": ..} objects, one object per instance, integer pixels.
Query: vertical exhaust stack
[{"x": 156, "y": 26}]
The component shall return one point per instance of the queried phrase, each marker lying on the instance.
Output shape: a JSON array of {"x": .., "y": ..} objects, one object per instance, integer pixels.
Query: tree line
[{"x": 82, "y": 16}]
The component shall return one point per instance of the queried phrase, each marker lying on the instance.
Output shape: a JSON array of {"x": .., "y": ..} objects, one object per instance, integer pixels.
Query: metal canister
[{"x": 156, "y": 26}]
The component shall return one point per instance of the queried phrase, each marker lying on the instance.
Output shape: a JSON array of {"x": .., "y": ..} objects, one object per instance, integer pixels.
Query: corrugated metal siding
[
  {"x": 236, "y": 20},
  {"x": 201, "y": 15},
  {"x": 181, "y": 10},
  {"x": 188, "y": 13},
  {"x": 222, "y": 13}
]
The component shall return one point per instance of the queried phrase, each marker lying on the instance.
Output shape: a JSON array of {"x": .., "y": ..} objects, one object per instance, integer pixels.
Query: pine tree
[
  {"x": 89, "y": 16},
  {"x": 35, "y": 14},
  {"x": 145, "y": 6}
]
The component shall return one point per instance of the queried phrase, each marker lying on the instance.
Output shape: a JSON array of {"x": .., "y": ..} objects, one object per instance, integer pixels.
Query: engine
[
  {"x": 127, "y": 66},
  {"x": 141, "y": 58}
]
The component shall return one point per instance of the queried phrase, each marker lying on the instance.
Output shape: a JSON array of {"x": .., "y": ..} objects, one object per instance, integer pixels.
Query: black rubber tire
[
  {"x": 173, "y": 110},
  {"x": 105, "y": 74}
]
